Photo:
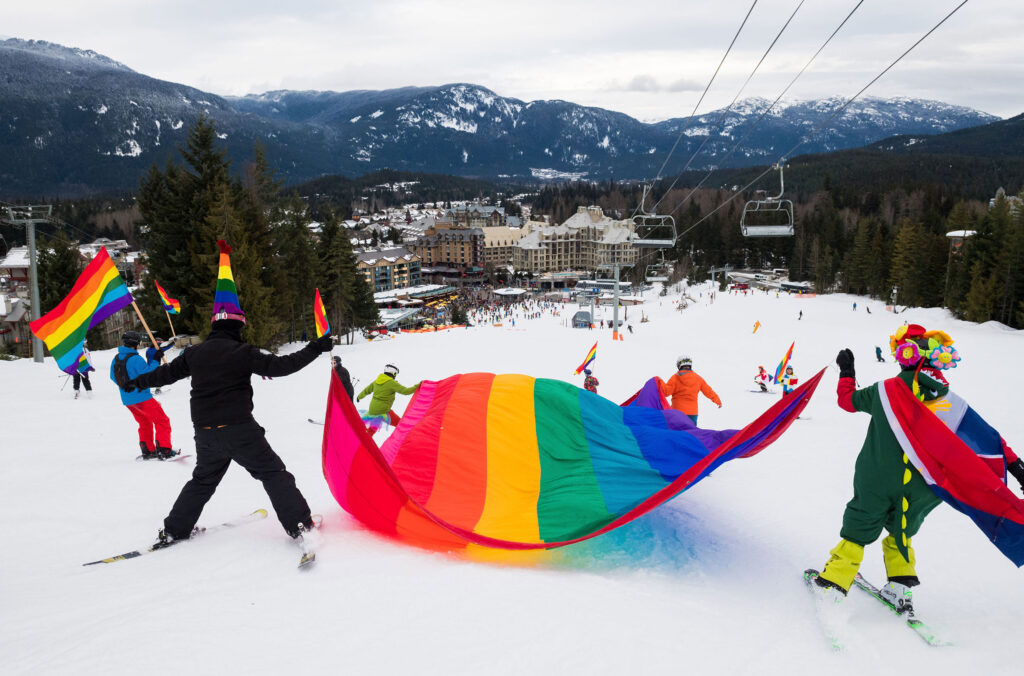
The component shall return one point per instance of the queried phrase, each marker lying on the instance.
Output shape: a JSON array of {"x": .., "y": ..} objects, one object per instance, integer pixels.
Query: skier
[
  {"x": 684, "y": 386},
  {"x": 81, "y": 374},
  {"x": 878, "y": 354},
  {"x": 788, "y": 381},
  {"x": 590, "y": 382},
  {"x": 800, "y": 316},
  {"x": 346, "y": 380},
  {"x": 762, "y": 378},
  {"x": 154, "y": 425},
  {"x": 384, "y": 388},
  {"x": 221, "y": 402},
  {"x": 757, "y": 325},
  {"x": 889, "y": 492}
]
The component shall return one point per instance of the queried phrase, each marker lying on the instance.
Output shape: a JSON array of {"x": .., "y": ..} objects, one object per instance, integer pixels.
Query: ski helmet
[
  {"x": 391, "y": 370},
  {"x": 131, "y": 339},
  {"x": 684, "y": 362},
  {"x": 586, "y": 372}
]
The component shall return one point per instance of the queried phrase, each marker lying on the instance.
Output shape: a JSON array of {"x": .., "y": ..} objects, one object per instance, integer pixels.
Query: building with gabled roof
[
  {"x": 585, "y": 241},
  {"x": 389, "y": 269}
]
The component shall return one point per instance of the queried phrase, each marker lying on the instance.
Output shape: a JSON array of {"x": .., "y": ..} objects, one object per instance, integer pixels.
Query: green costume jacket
[
  {"x": 888, "y": 492},
  {"x": 384, "y": 389}
]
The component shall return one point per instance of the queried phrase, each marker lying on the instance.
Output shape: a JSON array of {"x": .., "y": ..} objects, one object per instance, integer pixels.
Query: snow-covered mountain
[{"x": 73, "y": 121}]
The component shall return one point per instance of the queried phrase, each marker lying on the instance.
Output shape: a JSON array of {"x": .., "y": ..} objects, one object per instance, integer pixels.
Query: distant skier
[
  {"x": 684, "y": 386},
  {"x": 81, "y": 374},
  {"x": 854, "y": 307},
  {"x": 384, "y": 388},
  {"x": 346, "y": 380},
  {"x": 590, "y": 382},
  {"x": 762, "y": 378},
  {"x": 878, "y": 354},
  {"x": 788, "y": 381},
  {"x": 800, "y": 316},
  {"x": 154, "y": 425},
  {"x": 757, "y": 325}
]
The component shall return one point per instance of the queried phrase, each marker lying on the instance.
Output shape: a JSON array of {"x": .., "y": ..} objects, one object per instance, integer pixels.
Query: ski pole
[{"x": 66, "y": 379}]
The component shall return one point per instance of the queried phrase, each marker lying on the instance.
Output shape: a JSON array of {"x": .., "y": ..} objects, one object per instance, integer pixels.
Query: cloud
[{"x": 648, "y": 83}]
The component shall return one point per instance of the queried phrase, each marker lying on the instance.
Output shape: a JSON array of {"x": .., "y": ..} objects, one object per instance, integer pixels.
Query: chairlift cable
[
  {"x": 767, "y": 110},
  {"x": 829, "y": 119},
  {"x": 728, "y": 109},
  {"x": 690, "y": 119}
]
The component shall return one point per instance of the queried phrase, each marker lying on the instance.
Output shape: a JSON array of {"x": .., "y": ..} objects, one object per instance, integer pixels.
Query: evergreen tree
[{"x": 58, "y": 265}]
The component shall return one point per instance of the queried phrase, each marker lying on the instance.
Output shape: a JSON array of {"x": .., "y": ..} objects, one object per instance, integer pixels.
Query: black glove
[
  {"x": 130, "y": 386},
  {"x": 1016, "y": 468},
  {"x": 323, "y": 343},
  {"x": 845, "y": 361},
  {"x": 159, "y": 354}
]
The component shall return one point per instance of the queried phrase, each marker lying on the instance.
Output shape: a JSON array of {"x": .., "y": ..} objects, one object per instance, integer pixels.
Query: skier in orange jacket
[{"x": 684, "y": 386}]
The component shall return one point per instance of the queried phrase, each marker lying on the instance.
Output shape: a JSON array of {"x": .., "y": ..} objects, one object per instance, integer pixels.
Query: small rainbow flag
[
  {"x": 171, "y": 305},
  {"x": 98, "y": 293},
  {"x": 320, "y": 317},
  {"x": 591, "y": 356},
  {"x": 83, "y": 364},
  {"x": 785, "y": 361},
  {"x": 226, "y": 297}
]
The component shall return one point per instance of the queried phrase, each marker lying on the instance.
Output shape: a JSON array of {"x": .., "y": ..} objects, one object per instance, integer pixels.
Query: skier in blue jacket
[{"x": 154, "y": 425}]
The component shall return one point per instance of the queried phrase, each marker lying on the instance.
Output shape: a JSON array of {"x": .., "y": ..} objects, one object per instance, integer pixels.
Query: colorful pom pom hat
[{"x": 912, "y": 343}]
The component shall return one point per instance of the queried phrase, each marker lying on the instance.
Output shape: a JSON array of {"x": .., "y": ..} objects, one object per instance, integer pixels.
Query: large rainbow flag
[
  {"x": 520, "y": 463},
  {"x": 98, "y": 293},
  {"x": 171, "y": 305},
  {"x": 320, "y": 316},
  {"x": 961, "y": 458}
]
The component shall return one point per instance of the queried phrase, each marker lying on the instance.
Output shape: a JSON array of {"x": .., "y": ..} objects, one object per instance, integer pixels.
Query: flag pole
[
  {"x": 173, "y": 332},
  {"x": 149, "y": 333}
]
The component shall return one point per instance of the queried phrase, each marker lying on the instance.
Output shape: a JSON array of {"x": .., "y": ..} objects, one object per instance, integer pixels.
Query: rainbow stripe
[
  {"x": 785, "y": 361},
  {"x": 591, "y": 356},
  {"x": 226, "y": 297},
  {"x": 98, "y": 293},
  {"x": 519, "y": 463},
  {"x": 171, "y": 305},
  {"x": 320, "y": 317}
]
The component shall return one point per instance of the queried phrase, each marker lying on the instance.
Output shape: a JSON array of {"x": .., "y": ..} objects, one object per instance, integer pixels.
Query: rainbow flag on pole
[
  {"x": 98, "y": 293},
  {"x": 171, "y": 305},
  {"x": 785, "y": 362},
  {"x": 320, "y": 317},
  {"x": 591, "y": 356}
]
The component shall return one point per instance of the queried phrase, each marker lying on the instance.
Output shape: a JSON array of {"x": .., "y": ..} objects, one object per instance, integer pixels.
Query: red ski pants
[{"x": 151, "y": 417}]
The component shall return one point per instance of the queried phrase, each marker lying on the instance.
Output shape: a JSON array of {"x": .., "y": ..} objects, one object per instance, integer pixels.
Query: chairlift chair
[
  {"x": 658, "y": 272},
  {"x": 769, "y": 217},
  {"x": 653, "y": 231}
]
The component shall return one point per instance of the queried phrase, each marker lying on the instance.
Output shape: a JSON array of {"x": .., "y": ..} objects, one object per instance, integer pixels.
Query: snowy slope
[{"x": 709, "y": 583}]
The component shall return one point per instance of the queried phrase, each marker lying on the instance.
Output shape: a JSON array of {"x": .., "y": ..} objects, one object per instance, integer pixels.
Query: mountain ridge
[{"x": 75, "y": 122}]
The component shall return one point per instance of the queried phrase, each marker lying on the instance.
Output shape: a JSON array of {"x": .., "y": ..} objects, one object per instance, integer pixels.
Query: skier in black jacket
[
  {"x": 225, "y": 430},
  {"x": 346, "y": 380}
]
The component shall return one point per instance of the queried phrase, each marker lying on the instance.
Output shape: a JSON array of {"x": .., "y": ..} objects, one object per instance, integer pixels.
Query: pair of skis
[
  {"x": 305, "y": 544},
  {"x": 916, "y": 624}
]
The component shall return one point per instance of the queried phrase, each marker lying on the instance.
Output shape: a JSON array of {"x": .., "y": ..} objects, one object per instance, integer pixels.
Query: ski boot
[
  {"x": 165, "y": 539},
  {"x": 163, "y": 453},
  {"x": 148, "y": 454},
  {"x": 899, "y": 595}
]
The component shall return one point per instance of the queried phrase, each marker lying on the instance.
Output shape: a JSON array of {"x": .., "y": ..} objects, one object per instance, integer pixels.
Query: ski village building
[
  {"x": 588, "y": 240},
  {"x": 389, "y": 269}
]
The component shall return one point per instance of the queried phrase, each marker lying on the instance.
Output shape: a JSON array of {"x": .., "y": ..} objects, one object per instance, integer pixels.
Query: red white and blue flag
[{"x": 963, "y": 460}]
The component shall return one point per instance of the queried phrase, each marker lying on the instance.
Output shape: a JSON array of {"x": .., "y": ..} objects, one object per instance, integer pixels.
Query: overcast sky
[{"x": 647, "y": 58}]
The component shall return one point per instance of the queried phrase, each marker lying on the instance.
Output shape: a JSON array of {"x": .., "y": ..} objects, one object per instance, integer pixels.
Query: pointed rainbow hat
[{"x": 225, "y": 302}]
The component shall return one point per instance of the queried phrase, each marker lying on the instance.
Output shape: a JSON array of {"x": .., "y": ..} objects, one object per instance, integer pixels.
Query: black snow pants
[{"x": 245, "y": 444}]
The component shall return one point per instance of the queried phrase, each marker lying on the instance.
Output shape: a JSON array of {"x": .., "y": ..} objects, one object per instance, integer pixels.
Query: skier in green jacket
[
  {"x": 384, "y": 388},
  {"x": 888, "y": 492}
]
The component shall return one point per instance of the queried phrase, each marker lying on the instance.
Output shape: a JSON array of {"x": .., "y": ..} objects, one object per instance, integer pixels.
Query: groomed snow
[{"x": 707, "y": 584}]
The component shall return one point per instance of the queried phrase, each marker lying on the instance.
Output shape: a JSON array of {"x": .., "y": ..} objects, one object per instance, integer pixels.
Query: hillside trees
[{"x": 187, "y": 207}]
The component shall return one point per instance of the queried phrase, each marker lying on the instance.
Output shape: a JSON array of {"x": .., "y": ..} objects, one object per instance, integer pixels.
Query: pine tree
[{"x": 58, "y": 265}]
